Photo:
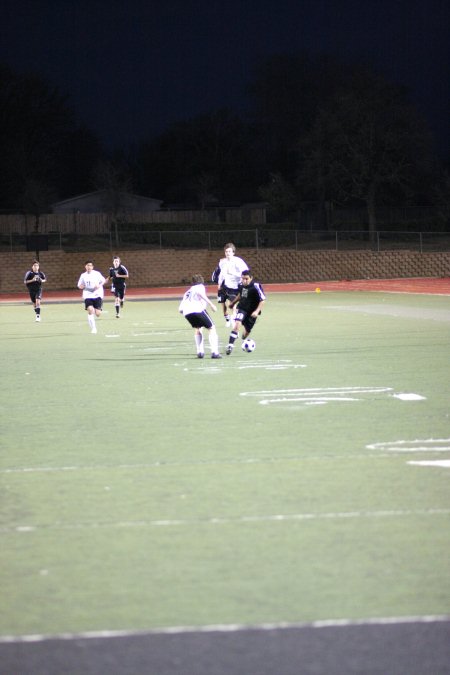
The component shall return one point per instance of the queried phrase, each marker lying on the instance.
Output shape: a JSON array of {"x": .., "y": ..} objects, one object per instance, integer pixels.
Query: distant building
[{"x": 105, "y": 201}]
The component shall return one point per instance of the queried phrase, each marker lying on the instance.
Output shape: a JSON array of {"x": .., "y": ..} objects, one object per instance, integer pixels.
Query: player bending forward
[
  {"x": 193, "y": 307},
  {"x": 249, "y": 300}
]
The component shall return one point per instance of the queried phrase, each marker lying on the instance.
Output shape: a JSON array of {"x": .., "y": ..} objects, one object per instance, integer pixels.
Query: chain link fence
[{"x": 260, "y": 238}]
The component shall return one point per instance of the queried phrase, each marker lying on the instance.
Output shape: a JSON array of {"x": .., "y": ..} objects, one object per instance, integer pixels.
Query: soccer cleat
[
  {"x": 228, "y": 350},
  {"x": 200, "y": 355},
  {"x": 216, "y": 356},
  {"x": 94, "y": 330},
  {"x": 117, "y": 316},
  {"x": 38, "y": 318}
]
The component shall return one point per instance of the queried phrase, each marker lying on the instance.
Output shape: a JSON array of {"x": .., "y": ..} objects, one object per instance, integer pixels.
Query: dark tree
[
  {"x": 204, "y": 160},
  {"x": 38, "y": 141},
  {"x": 286, "y": 93},
  {"x": 368, "y": 145}
]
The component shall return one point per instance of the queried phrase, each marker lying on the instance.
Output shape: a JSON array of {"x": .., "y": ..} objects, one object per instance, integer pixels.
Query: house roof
[{"x": 99, "y": 193}]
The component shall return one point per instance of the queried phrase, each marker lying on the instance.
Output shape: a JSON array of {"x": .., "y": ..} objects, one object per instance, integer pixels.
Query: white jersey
[
  {"x": 90, "y": 280},
  {"x": 231, "y": 271},
  {"x": 193, "y": 301}
]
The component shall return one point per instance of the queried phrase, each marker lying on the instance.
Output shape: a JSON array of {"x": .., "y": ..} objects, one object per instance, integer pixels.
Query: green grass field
[{"x": 143, "y": 488}]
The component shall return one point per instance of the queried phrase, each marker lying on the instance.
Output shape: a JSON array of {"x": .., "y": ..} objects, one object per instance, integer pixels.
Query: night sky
[{"x": 133, "y": 67}]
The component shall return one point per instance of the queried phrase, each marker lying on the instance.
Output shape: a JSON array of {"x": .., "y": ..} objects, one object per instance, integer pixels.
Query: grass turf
[{"x": 144, "y": 488}]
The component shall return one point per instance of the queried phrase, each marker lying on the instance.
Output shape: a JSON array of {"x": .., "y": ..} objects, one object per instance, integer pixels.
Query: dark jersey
[
  {"x": 250, "y": 296},
  {"x": 118, "y": 282},
  {"x": 38, "y": 278}
]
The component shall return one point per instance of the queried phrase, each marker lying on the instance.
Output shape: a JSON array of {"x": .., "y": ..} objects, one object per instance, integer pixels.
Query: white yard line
[
  {"x": 194, "y": 522},
  {"x": 198, "y": 462},
  {"x": 230, "y": 628}
]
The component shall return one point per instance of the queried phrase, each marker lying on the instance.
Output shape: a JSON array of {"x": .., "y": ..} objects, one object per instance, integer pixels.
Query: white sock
[
  {"x": 199, "y": 343},
  {"x": 91, "y": 320},
  {"x": 214, "y": 341}
]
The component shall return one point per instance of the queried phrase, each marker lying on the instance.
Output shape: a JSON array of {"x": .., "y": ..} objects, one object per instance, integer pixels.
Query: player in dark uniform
[
  {"x": 118, "y": 274},
  {"x": 33, "y": 280},
  {"x": 249, "y": 300}
]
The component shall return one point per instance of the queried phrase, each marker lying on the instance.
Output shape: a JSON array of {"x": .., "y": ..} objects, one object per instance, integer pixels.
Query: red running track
[{"x": 431, "y": 286}]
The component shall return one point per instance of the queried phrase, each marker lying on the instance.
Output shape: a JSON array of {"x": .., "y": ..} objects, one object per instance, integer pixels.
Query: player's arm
[
  {"x": 125, "y": 274},
  {"x": 258, "y": 309},
  {"x": 101, "y": 282},
  {"x": 235, "y": 301},
  {"x": 208, "y": 301}
]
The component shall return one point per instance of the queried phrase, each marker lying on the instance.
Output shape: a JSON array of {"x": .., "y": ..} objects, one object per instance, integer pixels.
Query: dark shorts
[
  {"x": 96, "y": 303},
  {"x": 247, "y": 320},
  {"x": 199, "y": 320},
  {"x": 119, "y": 292},
  {"x": 226, "y": 293},
  {"x": 35, "y": 295}
]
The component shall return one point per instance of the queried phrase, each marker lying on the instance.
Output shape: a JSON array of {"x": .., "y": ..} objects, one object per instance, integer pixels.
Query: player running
[
  {"x": 227, "y": 275},
  {"x": 249, "y": 300},
  {"x": 118, "y": 274},
  {"x": 33, "y": 280},
  {"x": 91, "y": 283}
]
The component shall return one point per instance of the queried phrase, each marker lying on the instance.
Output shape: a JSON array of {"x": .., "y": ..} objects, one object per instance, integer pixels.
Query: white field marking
[
  {"x": 153, "y": 332},
  {"x": 418, "y": 445},
  {"x": 201, "y": 462},
  {"x": 157, "y": 349},
  {"x": 269, "y": 518},
  {"x": 409, "y": 397},
  {"x": 315, "y": 396},
  {"x": 279, "y": 364},
  {"x": 112, "y": 336},
  {"x": 443, "y": 463},
  {"x": 229, "y": 628}
]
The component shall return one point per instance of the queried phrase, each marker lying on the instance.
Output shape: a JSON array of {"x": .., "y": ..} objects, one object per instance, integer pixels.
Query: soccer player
[
  {"x": 33, "y": 280},
  {"x": 193, "y": 307},
  {"x": 228, "y": 276},
  {"x": 250, "y": 300},
  {"x": 118, "y": 274},
  {"x": 91, "y": 283}
]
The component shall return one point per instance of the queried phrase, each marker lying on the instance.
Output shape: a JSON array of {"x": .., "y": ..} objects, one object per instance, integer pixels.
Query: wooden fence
[{"x": 101, "y": 223}]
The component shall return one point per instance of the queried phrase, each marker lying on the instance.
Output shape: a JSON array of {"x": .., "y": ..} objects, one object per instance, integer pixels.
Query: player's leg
[
  {"x": 231, "y": 312},
  {"x": 89, "y": 306},
  {"x": 214, "y": 342},
  {"x": 37, "y": 306},
  {"x": 234, "y": 333},
  {"x": 226, "y": 313},
  {"x": 199, "y": 343},
  {"x": 247, "y": 325},
  {"x": 91, "y": 319},
  {"x": 117, "y": 303},
  {"x": 98, "y": 307}
]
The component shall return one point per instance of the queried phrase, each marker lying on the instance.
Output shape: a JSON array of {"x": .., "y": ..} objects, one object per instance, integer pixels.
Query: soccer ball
[{"x": 248, "y": 345}]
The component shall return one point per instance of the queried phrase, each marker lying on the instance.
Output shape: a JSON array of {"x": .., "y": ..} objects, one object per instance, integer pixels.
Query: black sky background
[{"x": 132, "y": 68}]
